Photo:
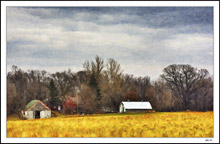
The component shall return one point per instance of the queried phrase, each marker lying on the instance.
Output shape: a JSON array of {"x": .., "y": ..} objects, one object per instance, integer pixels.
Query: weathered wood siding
[
  {"x": 45, "y": 114},
  {"x": 29, "y": 114}
]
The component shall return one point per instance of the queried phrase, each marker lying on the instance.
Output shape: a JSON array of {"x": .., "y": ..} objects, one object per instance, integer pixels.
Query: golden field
[{"x": 158, "y": 124}]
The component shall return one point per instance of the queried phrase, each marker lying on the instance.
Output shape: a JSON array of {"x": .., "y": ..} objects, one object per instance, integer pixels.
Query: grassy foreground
[{"x": 158, "y": 124}]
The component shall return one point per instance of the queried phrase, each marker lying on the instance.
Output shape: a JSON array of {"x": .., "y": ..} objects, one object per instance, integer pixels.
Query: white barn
[
  {"x": 134, "y": 106},
  {"x": 36, "y": 109}
]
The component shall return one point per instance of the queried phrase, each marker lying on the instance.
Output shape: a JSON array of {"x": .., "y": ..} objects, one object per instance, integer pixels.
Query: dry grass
[
  {"x": 12, "y": 117},
  {"x": 158, "y": 124}
]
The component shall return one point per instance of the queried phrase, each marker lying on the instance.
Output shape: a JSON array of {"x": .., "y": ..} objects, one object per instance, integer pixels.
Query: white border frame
[{"x": 214, "y": 4}]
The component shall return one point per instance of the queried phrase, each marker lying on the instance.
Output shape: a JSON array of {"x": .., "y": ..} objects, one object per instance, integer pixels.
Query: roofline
[
  {"x": 137, "y": 108},
  {"x": 44, "y": 104},
  {"x": 37, "y": 103}
]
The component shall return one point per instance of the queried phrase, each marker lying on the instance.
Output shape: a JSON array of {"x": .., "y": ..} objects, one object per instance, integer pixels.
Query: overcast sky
[{"x": 144, "y": 40}]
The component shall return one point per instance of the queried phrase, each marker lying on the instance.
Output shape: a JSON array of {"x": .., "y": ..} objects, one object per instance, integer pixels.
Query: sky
[{"x": 143, "y": 40}]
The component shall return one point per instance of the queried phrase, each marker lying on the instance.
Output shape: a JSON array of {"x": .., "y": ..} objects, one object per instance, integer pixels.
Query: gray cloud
[{"x": 143, "y": 40}]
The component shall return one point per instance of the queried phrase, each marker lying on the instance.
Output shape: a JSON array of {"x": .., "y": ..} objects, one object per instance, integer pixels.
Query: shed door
[
  {"x": 37, "y": 114},
  {"x": 42, "y": 114}
]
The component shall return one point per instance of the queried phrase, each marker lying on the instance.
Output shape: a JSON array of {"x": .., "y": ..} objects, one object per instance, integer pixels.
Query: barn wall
[
  {"x": 45, "y": 114},
  {"x": 121, "y": 108},
  {"x": 29, "y": 114},
  {"x": 138, "y": 110}
]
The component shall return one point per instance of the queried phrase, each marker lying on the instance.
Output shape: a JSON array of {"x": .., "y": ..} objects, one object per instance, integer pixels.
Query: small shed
[
  {"x": 134, "y": 106},
  {"x": 36, "y": 109}
]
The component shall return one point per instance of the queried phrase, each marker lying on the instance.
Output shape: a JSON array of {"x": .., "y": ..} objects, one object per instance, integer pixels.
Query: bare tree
[
  {"x": 110, "y": 84},
  {"x": 202, "y": 96},
  {"x": 182, "y": 79},
  {"x": 12, "y": 97},
  {"x": 141, "y": 85},
  {"x": 94, "y": 67},
  {"x": 94, "y": 70},
  {"x": 66, "y": 82},
  {"x": 89, "y": 103},
  {"x": 164, "y": 97},
  {"x": 114, "y": 71}
]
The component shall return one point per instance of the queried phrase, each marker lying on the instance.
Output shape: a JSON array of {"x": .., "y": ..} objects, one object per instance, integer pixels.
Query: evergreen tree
[
  {"x": 94, "y": 84},
  {"x": 54, "y": 99}
]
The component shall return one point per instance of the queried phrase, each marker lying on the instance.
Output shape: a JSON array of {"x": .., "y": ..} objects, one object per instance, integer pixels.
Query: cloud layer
[{"x": 143, "y": 40}]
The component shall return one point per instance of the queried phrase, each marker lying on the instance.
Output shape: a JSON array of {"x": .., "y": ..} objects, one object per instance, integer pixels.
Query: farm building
[
  {"x": 73, "y": 104},
  {"x": 134, "y": 106},
  {"x": 36, "y": 109},
  {"x": 57, "y": 108}
]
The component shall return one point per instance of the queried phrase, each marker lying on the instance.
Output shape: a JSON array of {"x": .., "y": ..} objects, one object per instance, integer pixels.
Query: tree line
[{"x": 103, "y": 84}]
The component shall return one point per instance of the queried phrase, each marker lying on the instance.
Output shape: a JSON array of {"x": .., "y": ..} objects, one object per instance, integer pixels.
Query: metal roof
[
  {"x": 137, "y": 105},
  {"x": 30, "y": 104},
  {"x": 33, "y": 103}
]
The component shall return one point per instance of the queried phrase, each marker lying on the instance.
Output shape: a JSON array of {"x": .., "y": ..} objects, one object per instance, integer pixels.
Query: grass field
[{"x": 158, "y": 124}]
